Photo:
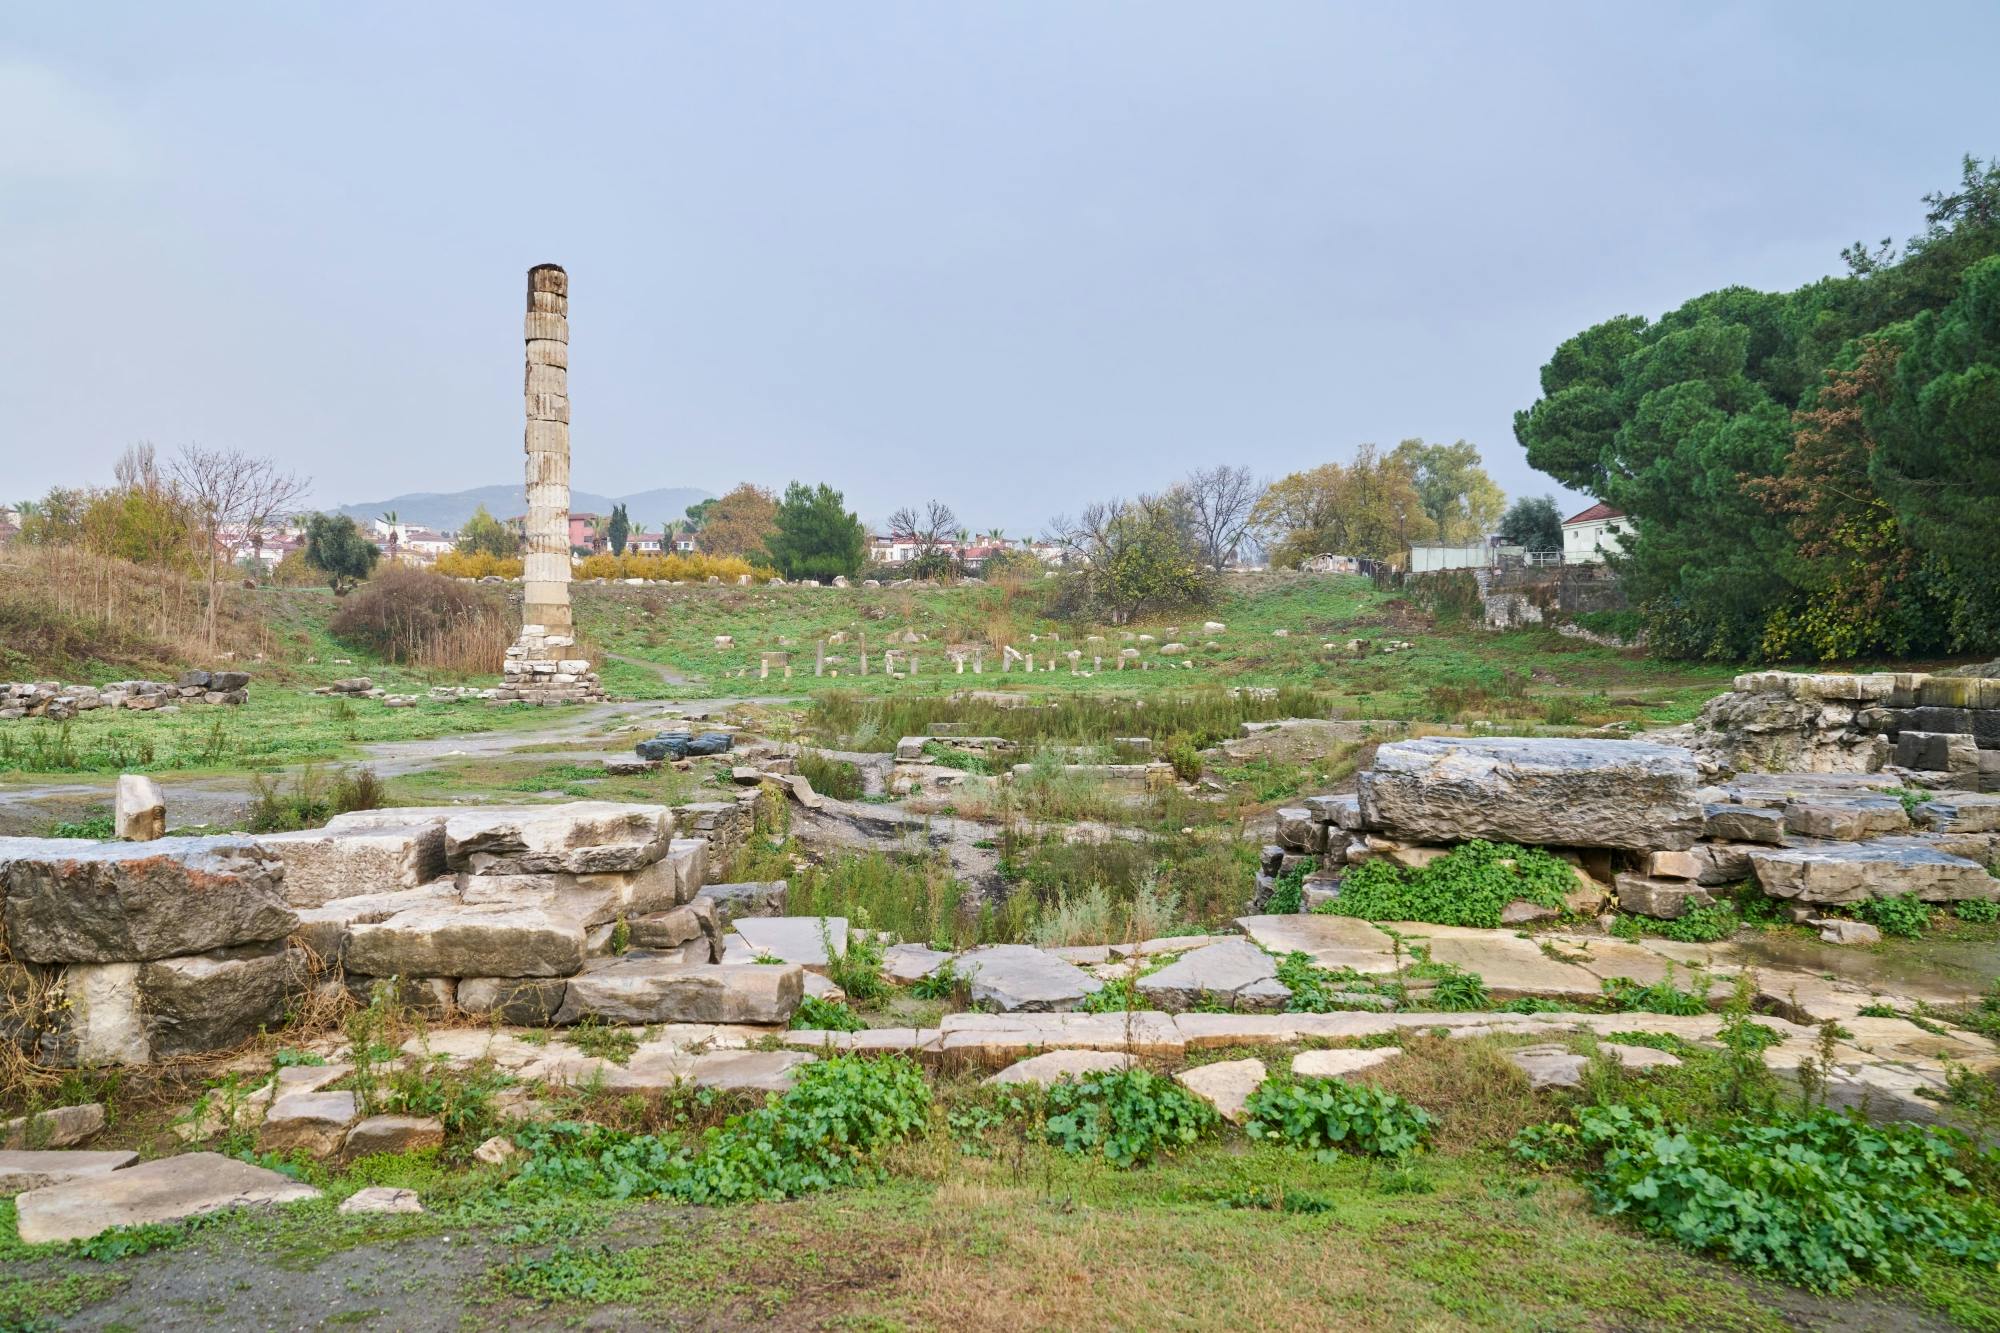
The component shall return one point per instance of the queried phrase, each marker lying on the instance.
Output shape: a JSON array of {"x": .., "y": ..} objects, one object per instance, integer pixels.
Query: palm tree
[{"x": 395, "y": 538}]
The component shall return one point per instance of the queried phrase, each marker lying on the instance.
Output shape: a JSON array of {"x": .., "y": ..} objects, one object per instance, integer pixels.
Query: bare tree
[
  {"x": 226, "y": 490},
  {"x": 928, "y": 530},
  {"x": 1220, "y": 500}
]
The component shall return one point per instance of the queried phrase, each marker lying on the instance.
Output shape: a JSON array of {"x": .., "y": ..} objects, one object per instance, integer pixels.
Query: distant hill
[{"x": 448, "y": 510}]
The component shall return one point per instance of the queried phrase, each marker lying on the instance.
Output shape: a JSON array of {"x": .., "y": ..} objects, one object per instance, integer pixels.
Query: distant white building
[{"x": 1589, "y": 536}]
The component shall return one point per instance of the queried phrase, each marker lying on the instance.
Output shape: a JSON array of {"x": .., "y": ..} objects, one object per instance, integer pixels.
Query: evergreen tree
[{"x": 815, "y": 536}]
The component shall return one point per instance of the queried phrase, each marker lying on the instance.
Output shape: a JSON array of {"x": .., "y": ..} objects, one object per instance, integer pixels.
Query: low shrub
[
  {"x": 1181, "y": 751},
  {"x": 1127, "y": 1116},
  {"x": 1978, "y": 911},
  {"x": 415, "y": 617},
  {"x": 1901, "y": 915},
  {"x": 1326, "y": 1115},
  {"x": 478, "y": 565},
  {"x": 838, "y": 778},
  {"x": 1288, "y": 895},
  {"x": 1468, "y": 886},
  {"x": 1701, "y": 925},
  {"x": 857, "y": 970},
  {"x": 668, "y": 568},
  {"x": 1662, "y": 997}
]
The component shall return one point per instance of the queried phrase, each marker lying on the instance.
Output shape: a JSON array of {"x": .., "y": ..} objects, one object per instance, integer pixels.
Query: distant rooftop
[{"x": 1598, "y": 511}]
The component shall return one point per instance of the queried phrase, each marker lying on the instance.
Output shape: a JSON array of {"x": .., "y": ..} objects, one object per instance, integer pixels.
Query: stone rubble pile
[
  {"x": 537, "y": 671},
  {"x": 1946, "y": 728},
  {"x": 1637, "y": 822},
  {"x": 59, "y": 702}
]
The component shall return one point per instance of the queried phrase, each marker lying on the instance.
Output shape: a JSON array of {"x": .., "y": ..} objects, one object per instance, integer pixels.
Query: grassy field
[{"x": 1528, "y": 675}]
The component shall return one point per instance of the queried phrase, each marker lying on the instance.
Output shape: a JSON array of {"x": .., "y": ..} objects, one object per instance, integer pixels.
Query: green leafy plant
[
  {"x": 857, "y": 970},
  {"x": 1819, "y": 1199},
  {"x": 1701, "y": 925},
  {"x": 1456, "y": 990},
  {"x": 941, "y": 983},
  {"x": 950, "y": 756},
  {"x": 1902, "y": 915},
  {"x": 820, "y": 1135},
  {"x": 1979, "y": 911},
  {"x": 1468, "y": 886},
  {"x": 1662, "y": 997},
  {"x": 822, "y": 1015},
  {"x": 1288, "y": 895},
  {"x": 1327, "y": 1115},
  {"x": 1126, "y": 1115}
]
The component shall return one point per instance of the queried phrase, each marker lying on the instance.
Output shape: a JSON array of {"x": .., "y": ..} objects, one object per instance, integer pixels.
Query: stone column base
[{"x": 536, "y": 672}]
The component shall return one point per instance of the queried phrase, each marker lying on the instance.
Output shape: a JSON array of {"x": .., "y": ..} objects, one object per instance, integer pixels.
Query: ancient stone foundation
[{"x": 59, "y": 702}]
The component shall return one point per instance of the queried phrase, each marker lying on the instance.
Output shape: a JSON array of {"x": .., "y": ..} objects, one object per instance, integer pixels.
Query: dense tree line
[{"x": 1813, "y": 473}]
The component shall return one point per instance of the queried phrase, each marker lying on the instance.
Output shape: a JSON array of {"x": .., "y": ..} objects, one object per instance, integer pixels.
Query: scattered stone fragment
[
  {"x": 1227, "y": 972},
  {"x": 1847, "y": 819},
  {"x": 1638, "y": 1057},
  {"x": 323, "y": 865},
  {"x": 1342, "y": 1062},
  {"x": 139, "y": 813},
  {"x": 382, "y": 1199},
  {"x": 733, "y": 902},
  {"x": 907, "y": 963},
  {"x": 313, "y": 1121},
  {"x": 1839, "y": 930},
  {"x": 580, "y": 837},
  {"x": 58, "y": 1127},
  {"x": 468, "y": 940},
  {"x": 1015, "y": 977},
  {"x": 1667, "y": 899},
  {"x": 1225, "y": 1085},
  {"x": 31, "y": 1170},
  {"x": 165, "y": 1190},
  {"x": 1055, "y": 1065},
  {"x": 394, "y": 1133},
  {"x": 796, "y": 939},
  {"x": 496, "y": 1151}
]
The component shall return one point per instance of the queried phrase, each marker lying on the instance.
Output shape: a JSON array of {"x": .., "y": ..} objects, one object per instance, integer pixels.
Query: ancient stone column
[{"x": 546, "y": 600}]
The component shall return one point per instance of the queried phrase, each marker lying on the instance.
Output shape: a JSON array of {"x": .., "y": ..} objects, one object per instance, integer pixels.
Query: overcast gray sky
[{"x": 1015, "y": 256}]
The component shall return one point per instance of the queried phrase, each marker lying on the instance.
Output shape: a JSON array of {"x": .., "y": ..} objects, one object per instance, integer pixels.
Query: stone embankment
[
  {"x": 1641, "y": 825},
  {"x": 1946, "y": 728},
  {"x": 140, "y": 951},
  {"x": 59, "y": 702}
]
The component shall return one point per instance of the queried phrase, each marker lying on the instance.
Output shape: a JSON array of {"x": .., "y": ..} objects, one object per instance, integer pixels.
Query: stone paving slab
[
  {"x": 165, "y": 1190},
  {"x": 795, "y": 939},
  {"x": 29, "y": 1169},
  {"x": 1331, "y": 941},
  {"x": 1510, "y": 966},
  {"x": 1226, "y": 1085},
  {"x": 1056, "y": 1065},
  {"x": 1017, "y": 978}
]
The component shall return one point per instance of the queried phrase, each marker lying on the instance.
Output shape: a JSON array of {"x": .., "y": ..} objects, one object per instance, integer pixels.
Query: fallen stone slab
[
  {"x": 1839, "y": 930},
  {"x": 593, "y": 900},
  {"x": 1963, "y": 812},
  {"x": 32, "y": 1170},
  {"x": 1330, "y": 941},
  {"x": 796, "y": 939},
  {"x": 382, "y": 1199},
  {"x": 321, "y": 866},
  {"x": 1341, "y": 1063},
  {"x": 733, "y": 902},
  {"x": 315, "y": 1122},
  {"x": 1638, "y": 1057},
  {"x": 118, "y": 902},
  {"x": 468, "y": 940},
  {"x": 658, "y": 1069},
  {"x": 689, "y": 859},
  {"x": 165, "y": 1190},
  {"x": 907, "y": 963},
  {"x": 1226, "y": 1085},
  {"x": 1632, "y": 795},
  {"x": 1743, "y": 823},
  {"x": 644, "y": 990},
  {"x": 913, "y": 1042},
  {"x": 1015, "y": 977},
  {"x": 1056, "y": 1065},
  {"x": 58, "y": 1127},
  {"x": 1165, "y": 944},
  {"x": 580, "y": 837},
  {"x": 1549, "y": 1066},
  {"x": 323, "y": 929},
  {"x": 394, "y": 1133},
  {"x": 1857, "y": 872},
  {"x": 1847, "y": 819},
  {"x": 1233, "y": 972}
]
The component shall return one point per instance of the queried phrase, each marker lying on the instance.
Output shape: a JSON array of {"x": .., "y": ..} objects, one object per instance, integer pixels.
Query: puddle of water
[{"x": 1938, "y": 971}]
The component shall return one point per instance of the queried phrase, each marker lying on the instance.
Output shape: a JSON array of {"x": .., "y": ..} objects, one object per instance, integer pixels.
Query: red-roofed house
[{"x": 1589, "y": 535}]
